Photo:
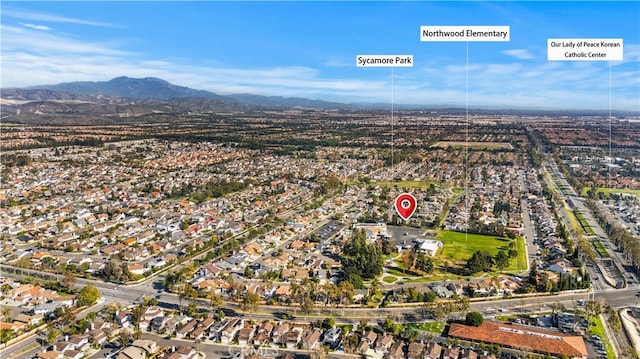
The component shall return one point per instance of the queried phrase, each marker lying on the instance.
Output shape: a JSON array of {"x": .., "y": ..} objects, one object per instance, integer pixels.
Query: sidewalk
[{"x": 631, "y": 326}]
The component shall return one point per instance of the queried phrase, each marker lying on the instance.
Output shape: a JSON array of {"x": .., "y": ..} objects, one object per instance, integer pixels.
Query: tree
[
  {"x": 188, "y": 292},
  {"x": 592, "y": 308},
  {"x": 502, "y": 260},
  {"x": 6, "y": 312},
  {"x": 88, "y": 296},
  {"x": 307, "y": 304},
  {"x": 6, "y": 335},
  {"x": 347, "y": 291},
  {"x": 216, "y": 301},
  {"x": 373, "y": 288},
  {"x": 424, "y": 263},
  {"x": 361, "y": 258},
  {"x": 463, "y": 303},
  {"x": 68, "y": 280},
  {"x": 474, "y": 319},
  {"x": 408, "y": 259},
  {"x": 250, "y": 302},
  {"x": 124, "y": 337},
  {"x": 52, "y": 335},
  {"x": 480, "y": 261},
  {"x": 613, "y": 320}
]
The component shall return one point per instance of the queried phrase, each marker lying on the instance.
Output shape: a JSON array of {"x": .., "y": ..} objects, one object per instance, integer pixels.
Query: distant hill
[
  {"x": 286, "y": 102},
  {"x": 124, "y": 97},
  {"x": 145, "y": 88},
  {"x": 158, "y": 89}
]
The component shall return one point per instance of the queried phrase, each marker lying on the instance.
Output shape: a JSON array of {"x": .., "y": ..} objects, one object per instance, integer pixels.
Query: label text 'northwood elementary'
[{"x": 465, "y": 33}]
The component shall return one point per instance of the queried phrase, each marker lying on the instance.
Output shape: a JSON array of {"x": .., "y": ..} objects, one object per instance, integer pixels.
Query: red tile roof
[{"x": 527, "y": 338}]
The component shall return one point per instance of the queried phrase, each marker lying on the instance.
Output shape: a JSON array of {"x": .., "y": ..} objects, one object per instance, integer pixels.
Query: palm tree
[{"x": 5, "y": 314}]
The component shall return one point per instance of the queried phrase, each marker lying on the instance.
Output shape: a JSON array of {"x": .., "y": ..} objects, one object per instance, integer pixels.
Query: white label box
[
  {"x": 465, "y": 33},
  {"x": 384, "y": 60},
  {"x": 584, "y": 49}
]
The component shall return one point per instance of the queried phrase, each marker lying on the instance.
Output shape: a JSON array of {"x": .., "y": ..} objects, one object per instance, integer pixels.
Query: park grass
[
  {"x": 433, "y": 327},
  {"x": 600, "y": 249},
  {"x": 397, "y": 272},
  {"x": 389, "y": 279},
  {"x": 583, "y": 222},
  {"x": 459, "y": 247},
  {"x": 635, "y": 192},
  {"x": 573, "y": 221}
]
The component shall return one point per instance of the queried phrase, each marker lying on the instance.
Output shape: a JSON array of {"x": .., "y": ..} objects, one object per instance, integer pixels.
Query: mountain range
[
  {"x": 125, "y": 97},
  {"x": 158, "y": 89}
]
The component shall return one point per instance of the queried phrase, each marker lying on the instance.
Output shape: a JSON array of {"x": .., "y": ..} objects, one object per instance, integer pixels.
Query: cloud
[
  {"x": 32, "y": 55},
  {"x": 37, "y": 27},
  {"x": 339, "y": 63},
  {"x": 38, "y": 16},
  {"x": 45, "y": 43},
  {"x": 521, "y": 54}
]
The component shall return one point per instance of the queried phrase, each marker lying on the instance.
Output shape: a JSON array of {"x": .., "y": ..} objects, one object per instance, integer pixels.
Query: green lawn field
[
  {"x": 611, "y": 190},
  {"x": 458, "y": 247},
  {"x": 583, "y": 222},
  {"x": 600, "y": 249}
]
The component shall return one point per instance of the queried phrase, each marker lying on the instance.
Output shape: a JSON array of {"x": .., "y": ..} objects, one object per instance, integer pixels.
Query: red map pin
[{"x": 405, "y": 205}]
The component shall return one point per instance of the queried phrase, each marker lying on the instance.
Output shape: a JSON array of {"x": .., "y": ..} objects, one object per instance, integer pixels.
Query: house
[
  {"x": 245, "y": 335},
  {"x": 136, "y": 269},
  {"x": 187, "y": 328},
  {"x": 293, "y": 337},
  {"x": 363, "y": 348},
  {"x": 332, "y": 337},
  {"x": 182, "y": 353},
  {"x": 63, "y": 346},
  {"x": 397, "y": 350},
  {"x": 433, "y": 351},
  {"x": 124, "y": 318},
  {"x": 442, "y": 291},
  {"x": 81, "y": 342},
  {"x": 132, "y": 352},
  {"x": 157, "y": 324},
  {"x": 28, "y": 319},
  {"x": 16, "y": 327},
  {"x": 312, "y": 339},
  {"x": 468, "y": 354},
  {"x": 149, "y": 346},
  {"x": 561, "y": 265},
  {"x": 197, "y": 333},
  {"x": 384, "y": 343},
  {"x": 98, "y": 336},
  {"x": 73, "y": 354},
  {"x": 209, "y": 270},
  {"x": 451, "y": 353},
  {"x": 231, "y": 330},
  {"x": 414, "y": 350},
  {"x": 278, "y": 333},
  {"x": 51, "y": 354}
]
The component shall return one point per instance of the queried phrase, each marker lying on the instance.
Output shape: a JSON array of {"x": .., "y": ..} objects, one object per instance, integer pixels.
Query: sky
[{"x": 309, "y": 49}]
